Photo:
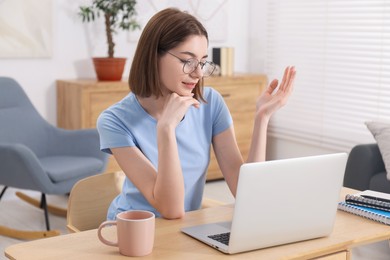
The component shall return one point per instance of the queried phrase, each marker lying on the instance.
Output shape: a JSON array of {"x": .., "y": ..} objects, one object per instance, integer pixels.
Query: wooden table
[{"x": 170, "y": 243}]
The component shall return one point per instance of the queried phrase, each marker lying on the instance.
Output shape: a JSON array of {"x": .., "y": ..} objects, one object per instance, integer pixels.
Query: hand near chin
[
  {"x": 175, "y": 108},
  {"x": 276, "y": 96},
  {"x": 189, "y": 95}
]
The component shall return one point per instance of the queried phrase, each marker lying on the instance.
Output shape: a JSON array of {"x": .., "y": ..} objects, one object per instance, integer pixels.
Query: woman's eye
[{"x": 191, "y": 62}]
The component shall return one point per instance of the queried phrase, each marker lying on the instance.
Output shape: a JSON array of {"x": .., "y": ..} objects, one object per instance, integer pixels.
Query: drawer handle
[{"x": 225, "y": 95}]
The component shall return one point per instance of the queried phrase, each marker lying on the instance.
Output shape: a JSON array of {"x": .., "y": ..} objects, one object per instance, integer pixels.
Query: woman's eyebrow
[{"x": 192, "y": 54}]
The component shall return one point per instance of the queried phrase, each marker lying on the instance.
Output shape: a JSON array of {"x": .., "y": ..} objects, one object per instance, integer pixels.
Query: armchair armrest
[
  {"x": 18, "y": 163},
  {"x": 364, "y": 161}
]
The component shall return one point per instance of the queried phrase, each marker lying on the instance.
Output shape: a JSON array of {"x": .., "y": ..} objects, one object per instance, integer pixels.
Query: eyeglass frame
[{"x": 202, "y": 64}]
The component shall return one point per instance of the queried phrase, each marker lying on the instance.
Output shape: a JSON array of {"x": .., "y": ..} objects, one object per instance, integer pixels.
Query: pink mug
[{"x": 135, "y": 232}]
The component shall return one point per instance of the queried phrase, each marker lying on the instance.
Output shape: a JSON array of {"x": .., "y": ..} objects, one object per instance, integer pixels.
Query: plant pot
[{"x": 109, "y": 69}]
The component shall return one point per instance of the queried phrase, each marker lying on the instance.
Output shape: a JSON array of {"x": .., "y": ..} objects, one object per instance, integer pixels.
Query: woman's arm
[
  {"x": 268, "y": 103},
  {"x": 228, "y": 156},
  {"x": 225, "y": 145},
  {"x": 144, "y": 176},
  {"x": 163, "y": 188}
]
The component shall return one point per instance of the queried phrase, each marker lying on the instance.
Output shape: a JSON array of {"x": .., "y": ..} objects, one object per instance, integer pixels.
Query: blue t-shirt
[{"x": 126, "y": 123}]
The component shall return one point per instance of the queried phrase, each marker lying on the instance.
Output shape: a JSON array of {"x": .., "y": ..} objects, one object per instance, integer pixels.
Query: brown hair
[{"x": 164, "y": 31}]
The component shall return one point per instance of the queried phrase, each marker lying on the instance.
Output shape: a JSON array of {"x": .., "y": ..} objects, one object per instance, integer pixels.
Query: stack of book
[
  {"x": 223, "y": 57},
  {"x": 369, "y": 204}
]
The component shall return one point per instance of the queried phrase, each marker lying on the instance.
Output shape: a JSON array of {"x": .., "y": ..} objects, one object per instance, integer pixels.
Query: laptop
[{"x": 279, "y": 202}]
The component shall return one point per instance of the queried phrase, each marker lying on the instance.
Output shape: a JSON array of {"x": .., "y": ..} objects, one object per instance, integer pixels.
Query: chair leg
[
  {"x": 3, "y": 191},
  {"x": 44, "y": 207}
]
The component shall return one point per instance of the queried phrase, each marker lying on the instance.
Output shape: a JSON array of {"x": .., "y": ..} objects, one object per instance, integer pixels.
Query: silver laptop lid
[{"x": 285, "y": 201}]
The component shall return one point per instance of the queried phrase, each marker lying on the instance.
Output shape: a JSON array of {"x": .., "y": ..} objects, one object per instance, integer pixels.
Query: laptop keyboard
[{"x": 222, "y": 238}]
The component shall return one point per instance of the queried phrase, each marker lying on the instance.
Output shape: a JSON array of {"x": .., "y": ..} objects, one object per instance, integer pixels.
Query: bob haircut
[{"x": 164, "y": 31}]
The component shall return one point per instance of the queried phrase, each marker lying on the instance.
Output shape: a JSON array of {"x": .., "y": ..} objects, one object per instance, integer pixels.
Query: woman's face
[{"x": 171, "y": 71}]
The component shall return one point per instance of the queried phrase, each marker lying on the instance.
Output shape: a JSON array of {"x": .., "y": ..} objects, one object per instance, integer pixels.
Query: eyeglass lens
[{"x": 206, "y": 67}]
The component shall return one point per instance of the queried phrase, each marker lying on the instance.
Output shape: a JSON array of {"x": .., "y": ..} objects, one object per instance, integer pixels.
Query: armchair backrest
[{"x": 20, "y": 122}]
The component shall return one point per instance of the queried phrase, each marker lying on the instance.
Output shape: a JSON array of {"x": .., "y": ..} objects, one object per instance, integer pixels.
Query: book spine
[
  {"x": 363, "y": 213},
  {"x": 224, "y": 61},
  {"x": 230, "y": 61},
  {"x": 224, "y": 58},
  {"x": 217, "y": 56}
]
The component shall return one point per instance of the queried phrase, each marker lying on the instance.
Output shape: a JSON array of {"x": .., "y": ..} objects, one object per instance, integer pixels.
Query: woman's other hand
[{"x": 276, "y": 96}]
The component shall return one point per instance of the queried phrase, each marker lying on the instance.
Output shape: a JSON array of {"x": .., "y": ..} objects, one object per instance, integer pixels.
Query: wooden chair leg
[
  {"x": 27, "y": 235},
  {"x": 50, "y": 208}
]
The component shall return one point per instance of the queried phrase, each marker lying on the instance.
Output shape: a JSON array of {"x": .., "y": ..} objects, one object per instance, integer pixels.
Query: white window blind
[{"x": 341, "y": 49}]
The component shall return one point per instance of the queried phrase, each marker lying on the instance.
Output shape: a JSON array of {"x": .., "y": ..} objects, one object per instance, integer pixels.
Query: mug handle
[{"x": 101, "y": 238}]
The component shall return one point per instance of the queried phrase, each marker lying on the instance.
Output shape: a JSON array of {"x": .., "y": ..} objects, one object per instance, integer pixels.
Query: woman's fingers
[
  {"x": 270, "y": 102},
  {"x": 290, "y": 83},
  {"x": 285, "y": 78},
  {"x": 288, "y": 78},
  {"x": 272, "y": 86},
  {"x": 176, "y": 107}
]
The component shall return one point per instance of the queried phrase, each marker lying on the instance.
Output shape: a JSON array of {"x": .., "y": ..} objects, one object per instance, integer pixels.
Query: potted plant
[{"x": 118, "y": 14}]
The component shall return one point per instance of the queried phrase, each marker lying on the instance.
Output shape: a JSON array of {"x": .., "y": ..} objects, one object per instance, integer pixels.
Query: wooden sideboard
[{"x": 80, "y": 102}]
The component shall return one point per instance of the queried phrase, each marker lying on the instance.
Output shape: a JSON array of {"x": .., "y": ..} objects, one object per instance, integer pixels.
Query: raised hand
[{"x": 276, "y": 96}]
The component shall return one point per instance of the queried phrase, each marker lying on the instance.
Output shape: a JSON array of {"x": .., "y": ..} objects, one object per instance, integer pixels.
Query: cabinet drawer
[{"x": 239, "y": 98}]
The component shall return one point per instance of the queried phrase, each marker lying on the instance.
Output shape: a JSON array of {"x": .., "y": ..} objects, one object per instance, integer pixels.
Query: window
[{"x": 341, "y": 49}]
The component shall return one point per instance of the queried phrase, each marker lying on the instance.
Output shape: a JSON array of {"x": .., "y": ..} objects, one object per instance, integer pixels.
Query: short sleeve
[
  {"x": 112, "y": 132},
  {"x": 221, "y": 117}
]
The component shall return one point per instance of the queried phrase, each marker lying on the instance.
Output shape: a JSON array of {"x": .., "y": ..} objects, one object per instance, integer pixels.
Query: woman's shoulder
[
  {"x": 120, "y": 109},
  {"x": 209, "y": 90},
  {"x": 126, "y": 103},
  {"x": 210, "y": 94}
]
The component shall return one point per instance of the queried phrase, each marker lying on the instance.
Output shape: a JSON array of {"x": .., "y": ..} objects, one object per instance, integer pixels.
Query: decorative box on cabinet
[{"x": 79, "y": 103}]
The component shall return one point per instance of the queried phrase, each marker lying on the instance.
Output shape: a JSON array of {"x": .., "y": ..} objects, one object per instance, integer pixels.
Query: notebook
[
  {"x": 371, "y": 199},
  {"x": 279, "y": 202},
  {"x": 366, "y": 212}
]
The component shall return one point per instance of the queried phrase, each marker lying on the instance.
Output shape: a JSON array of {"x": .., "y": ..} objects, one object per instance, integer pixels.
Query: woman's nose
[{"x": 198, "y": 72}]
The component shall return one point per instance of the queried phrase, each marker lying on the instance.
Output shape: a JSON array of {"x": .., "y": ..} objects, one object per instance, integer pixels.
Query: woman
[{"x": 160, "y": 134}]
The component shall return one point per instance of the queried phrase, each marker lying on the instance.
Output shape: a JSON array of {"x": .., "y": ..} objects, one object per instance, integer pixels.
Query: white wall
[
  {"x": 279, "y": 148},
  {"x": 257, "y": 36},
  {"x": 74, "y": 43}
]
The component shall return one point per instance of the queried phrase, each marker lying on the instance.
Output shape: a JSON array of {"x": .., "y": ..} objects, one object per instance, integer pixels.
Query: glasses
[{"x": 192, "y": 64}]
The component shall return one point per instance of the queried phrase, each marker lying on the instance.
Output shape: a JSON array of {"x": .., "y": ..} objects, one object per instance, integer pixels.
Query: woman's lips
[{"x": 189, "y": 85}]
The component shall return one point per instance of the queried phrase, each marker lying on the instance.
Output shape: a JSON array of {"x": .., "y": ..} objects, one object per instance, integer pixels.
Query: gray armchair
[
  {"x": 37, "y": 156},
  {"x": 365, "y": 169}
]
